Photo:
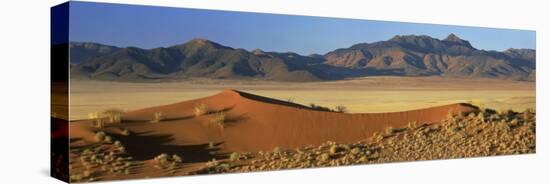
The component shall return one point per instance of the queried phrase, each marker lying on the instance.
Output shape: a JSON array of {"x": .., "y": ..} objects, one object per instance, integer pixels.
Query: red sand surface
[
  {"x": 256, "y": 123},
  {"x": 253, "y": 123}
]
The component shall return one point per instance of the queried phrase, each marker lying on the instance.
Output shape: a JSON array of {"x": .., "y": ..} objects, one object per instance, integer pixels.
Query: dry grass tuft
[
  {"x": 341, "y": 109},
  {"x": 157, "y": 117},
  {"x": 100, "y": 119},
  {"x": 219, "y": 119},
  {"x": 200, "y": 110}
]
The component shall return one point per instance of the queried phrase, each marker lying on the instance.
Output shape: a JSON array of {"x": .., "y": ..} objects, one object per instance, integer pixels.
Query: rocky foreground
[{"x": 485, "y": 133}]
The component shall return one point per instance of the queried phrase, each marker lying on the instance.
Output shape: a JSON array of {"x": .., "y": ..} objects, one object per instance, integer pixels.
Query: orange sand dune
[{"x": 257, "y": 123}]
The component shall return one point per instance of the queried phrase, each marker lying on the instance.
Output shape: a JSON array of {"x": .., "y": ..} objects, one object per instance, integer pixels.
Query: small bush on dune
[
  {"x": 157, "y": 117},
  {"x": 99, "y": 123},
  {"x": 113, "y": 115},
  {"x": 277, "y": 150},
  {"x": 164, "y": 161},
  {"x": 412, "y": 125},
  {"x": 325, "y": 157},
  {"x": 320, "y": 108},
  {"x": 335, "y": 149},
  {"x": 390, "y": 131},
  {"x": 108, "y": 139},
  {"x": 234, "y": 156},
  {"x": 219, "y": 119},
  {"x": 355, "y": 151},
  {"x": 481, "y": 117},
  {"x": 341, "y": 109},
  {"x": 125, "y": 132},
  {"x": 100, "y": 136},
  {"x": 177, "y": 158},
  {"x": 107, "y": 116},
  {"x": 162, "y": 158},
  {"x": 200, "y": 110},
  {"x": 212, "y": 163},
  {"x": 290, "y": 100},
  {"x": 528, "y": 113},
  {"x": 98, "y": 120}
]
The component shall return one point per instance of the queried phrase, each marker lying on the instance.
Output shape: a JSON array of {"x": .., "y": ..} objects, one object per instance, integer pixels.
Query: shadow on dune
[
  {"x": 145, "y": 146},
  {"x": 469, "y": 105},
  {"x": 233, "y": 120},
  {"x": 270, "y": 100}
]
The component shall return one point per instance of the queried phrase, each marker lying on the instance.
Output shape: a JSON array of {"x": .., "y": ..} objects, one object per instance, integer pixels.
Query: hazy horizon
[{"x": 152, "y": 27}]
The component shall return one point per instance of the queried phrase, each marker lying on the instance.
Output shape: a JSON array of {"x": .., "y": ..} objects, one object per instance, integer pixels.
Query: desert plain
[
  {"x": 369, "y": 94},
  {"x": 139, "y": 130}
]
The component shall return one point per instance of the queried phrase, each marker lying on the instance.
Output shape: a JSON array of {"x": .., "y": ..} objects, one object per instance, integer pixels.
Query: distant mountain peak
[
  {"x": 201, "y": 42},
  {"x": 409, "y": 37},
  {"x": 258, "y": 52},
  {"x": 455, "y": 39},
  {"x": 452, "y": 38}
]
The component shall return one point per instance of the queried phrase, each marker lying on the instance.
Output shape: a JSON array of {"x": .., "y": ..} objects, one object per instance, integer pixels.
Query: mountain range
[{"x": 407, "y": 55}]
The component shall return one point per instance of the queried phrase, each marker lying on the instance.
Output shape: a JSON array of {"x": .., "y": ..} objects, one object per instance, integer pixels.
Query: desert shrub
[
  {"x": 112, "y": 115},
  {"x": 121, "y": 149},
  {"x": 489, "y": 111},
  {"x": 453, "y": 129},
  {"x": 320, "y": 108},
  {"x": 412, "y": 125},
  {"x": 125, "y": 132},
  {"x": 210, "y": 145},
  {"x": 177, "y": 158},
  {"x": 76, "y": 177},
  {"x": 100, "y": 136},
  {"x": 87, "y": 173},
  {"x": 277, "y": 150},
  {"x": 98, "y": 120},
  {"x": 234, "y": 156},
  {"x": 164, "y": 161},
  {"x": 341, "y": 109},
  {"x": 219, "y": 119},
  {"x": 514, "y": 123},
  {"x": 530, "y": 110},
  {"x": 355, "y": 151},
  {"x": 161, "y": 159},
  {"x": 481, "y": 117},
  {"x": 108, "y": 139},
  {"x": 212, "y": 163},
  {"x": 450, "y": 115},
  {"x": 93, "y": 115},
  {"x": 472, "y": 115},
  {"x": 107, "y": 116},
  {"x": 325, "y": 157},
  {"x": 390, "y": 130},
  {"x": 335, "y": 149},
  {"x": 200, "y": 110},
  {"x": 528, "y": 114},
  {"x": 157, "y": 117},
  {"x": 290, "y": 99},
  {"x": 507, "y": 114},
  {"x": 87, "y": 151}
]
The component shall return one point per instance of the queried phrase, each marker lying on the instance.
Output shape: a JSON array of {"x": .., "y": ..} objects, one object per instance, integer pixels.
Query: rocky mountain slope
[{"x": 409, "y": 55}]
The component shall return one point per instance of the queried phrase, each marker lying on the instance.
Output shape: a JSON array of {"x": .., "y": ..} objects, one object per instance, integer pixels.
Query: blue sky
[{"x": 151, "y": 27}]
